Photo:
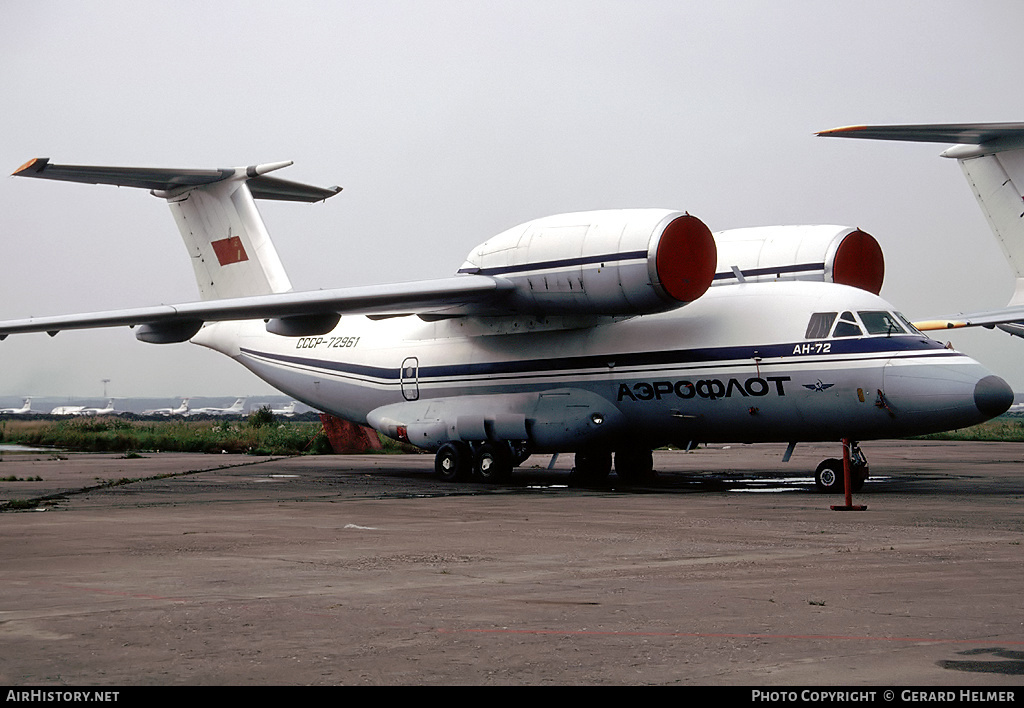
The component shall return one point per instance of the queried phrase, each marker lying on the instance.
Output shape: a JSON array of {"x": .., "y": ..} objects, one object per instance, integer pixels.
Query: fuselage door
[{"x": 410, "y": 378}]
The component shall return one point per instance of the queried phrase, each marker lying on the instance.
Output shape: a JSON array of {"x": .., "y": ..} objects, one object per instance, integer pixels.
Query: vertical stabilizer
[
  {"x": 227, "y": 241},
  {"x": 997, "y": 180}
]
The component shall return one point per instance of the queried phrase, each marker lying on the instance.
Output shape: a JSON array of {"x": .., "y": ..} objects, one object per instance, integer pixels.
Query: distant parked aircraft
[
  {"x": 106, "y": 410},
  {"x": 234, "y": 409},
  {"x": 288, "y": 411},
  {"x": 180, "y": 410},
  {"x": 26, "y": 408},
  {"x": 67, "y": 410}
]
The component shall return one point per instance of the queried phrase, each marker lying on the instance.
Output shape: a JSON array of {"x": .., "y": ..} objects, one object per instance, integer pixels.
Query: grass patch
[
  {"x": 265, "y": 436},
  {"x": 1005, "y": 428},
  {"x": 20, "y": 504},
  {"x": 113, "y": 434}
]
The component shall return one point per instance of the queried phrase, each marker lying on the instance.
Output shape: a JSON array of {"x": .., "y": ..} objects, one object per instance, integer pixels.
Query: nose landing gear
[
  {"x": 844, "y": 476},
  {"x": 830, "y": 476}
]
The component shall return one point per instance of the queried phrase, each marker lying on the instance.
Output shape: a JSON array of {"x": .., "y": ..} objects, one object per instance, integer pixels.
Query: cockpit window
[
  {"x": 874, "y": 322},
  {"x": 847, "y": 326},
  {"x": 820, "y": 325},
  {"x": 879, "y": 322}
]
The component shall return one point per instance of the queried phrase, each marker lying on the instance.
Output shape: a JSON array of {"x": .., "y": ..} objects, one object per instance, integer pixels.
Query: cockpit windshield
[
  {"x": 881, "y": 323},
  {"x": 825, "y": 325}
]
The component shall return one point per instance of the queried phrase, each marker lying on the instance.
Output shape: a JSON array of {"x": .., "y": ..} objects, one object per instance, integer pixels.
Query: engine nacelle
[
  {"x": 621, "y": 262},
  {"x": 833, "y": 254},
  {"x": 168, "y": 332}
]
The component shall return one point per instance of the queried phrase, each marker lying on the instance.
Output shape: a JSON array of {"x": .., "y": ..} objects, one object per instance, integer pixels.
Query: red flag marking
[{"x": 229, "y": 250}]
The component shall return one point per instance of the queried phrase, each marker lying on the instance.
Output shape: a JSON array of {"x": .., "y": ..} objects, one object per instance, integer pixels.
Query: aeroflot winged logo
[{"x": 819, "y": 386}]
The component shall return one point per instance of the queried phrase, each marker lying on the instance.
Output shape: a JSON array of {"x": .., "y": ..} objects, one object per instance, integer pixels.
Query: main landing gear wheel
[
  {"x": 829, "y": 477},
  {"x": 520, "y": 452},
  {"x": 453, "y": 462},
  {"x": 591, "y": 467},
  {"x": 635, "y": 466},
  {"x": 494, "y": 462}
]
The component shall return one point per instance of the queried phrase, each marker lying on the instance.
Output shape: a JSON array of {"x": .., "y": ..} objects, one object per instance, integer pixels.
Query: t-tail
[
  {"x": 226, "y": 239},
  {"x": 991, "y": 156}
]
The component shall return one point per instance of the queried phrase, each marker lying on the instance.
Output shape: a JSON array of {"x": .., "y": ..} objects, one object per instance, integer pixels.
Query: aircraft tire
[
  {"x": 828, "y": 478},
  {"x": 453, "y": 462},
  {"x": 635, "y": 466},
  {"x": 493, "y": 463}
]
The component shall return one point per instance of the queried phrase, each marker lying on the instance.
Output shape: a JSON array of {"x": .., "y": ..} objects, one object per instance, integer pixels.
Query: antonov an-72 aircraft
[{"x": 604, "y": 333}]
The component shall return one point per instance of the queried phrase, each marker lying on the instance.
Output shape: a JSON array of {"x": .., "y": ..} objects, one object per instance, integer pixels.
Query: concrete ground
[{"x": 732, "y": 570}]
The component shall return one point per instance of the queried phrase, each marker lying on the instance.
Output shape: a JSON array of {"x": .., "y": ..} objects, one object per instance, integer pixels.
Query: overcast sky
[{"x": 448, "y": 122}]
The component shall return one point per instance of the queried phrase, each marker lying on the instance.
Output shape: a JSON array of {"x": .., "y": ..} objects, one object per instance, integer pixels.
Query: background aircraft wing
[
  {"x": 308, "y": 312},
  {"x": 985, "y": 318},
  {"x": 967, "y": 133}
]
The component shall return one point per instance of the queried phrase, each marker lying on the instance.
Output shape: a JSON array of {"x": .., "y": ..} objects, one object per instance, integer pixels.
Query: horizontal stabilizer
[
  {"x": 264, "y": 187},
  {"x": 159, "y": 179}
]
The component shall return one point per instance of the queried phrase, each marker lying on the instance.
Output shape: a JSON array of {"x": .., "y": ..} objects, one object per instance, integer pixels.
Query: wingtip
[
  {"x": 333, "y": 191},
  {"x": 36, "y": 164},
  {"x": 839, "y": 131}
]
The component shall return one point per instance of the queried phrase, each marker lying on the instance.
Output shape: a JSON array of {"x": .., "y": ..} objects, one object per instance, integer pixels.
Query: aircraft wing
[
  {"x": 986, "y": 318},
  {"x": 455, "y": 296},
  {"x": 966, "y": 133}
]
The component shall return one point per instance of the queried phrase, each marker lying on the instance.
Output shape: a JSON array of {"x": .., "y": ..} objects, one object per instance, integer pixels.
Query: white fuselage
[{"x": 736, "y": 365}]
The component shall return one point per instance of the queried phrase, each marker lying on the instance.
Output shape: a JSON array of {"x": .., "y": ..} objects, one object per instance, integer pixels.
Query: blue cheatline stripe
[
  {"x": 780, "y": 270},
  {"x": 635, "y": 255},
  {"x": 562, "y": 263},
  {"x": 843, "y": 350}
]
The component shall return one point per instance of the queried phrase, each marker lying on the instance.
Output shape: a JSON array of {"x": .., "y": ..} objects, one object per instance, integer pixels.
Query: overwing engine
[{"x": 622, "y": 262}]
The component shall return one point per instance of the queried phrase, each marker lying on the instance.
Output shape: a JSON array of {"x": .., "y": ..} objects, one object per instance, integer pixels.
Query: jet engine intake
[{"x": 621, "y": 262}]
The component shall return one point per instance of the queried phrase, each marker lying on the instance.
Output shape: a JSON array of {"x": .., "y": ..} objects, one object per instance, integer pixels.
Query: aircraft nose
[{"x": 992, "y": 396}]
